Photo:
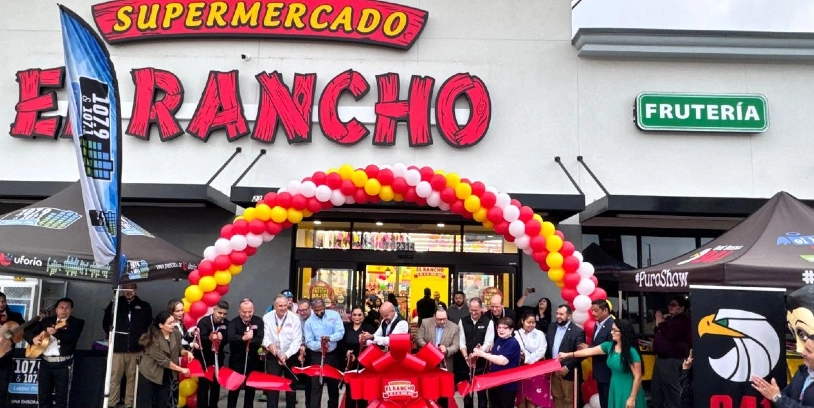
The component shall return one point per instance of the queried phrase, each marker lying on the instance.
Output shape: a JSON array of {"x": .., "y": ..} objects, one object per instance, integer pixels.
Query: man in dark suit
[
  {"x": 425, "y": 306},
  {"x": 63, "y": 330},
  {"x": 6, "y": 361},
  {"x": 602, "y": 333},
  {"x": 564, "y": 337},
  {"x": 442, "y": 333},
  {"x": 211, "y": 328}
]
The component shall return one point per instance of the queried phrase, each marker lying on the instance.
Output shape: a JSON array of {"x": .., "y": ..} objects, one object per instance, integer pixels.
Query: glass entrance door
[
  {"x": 333, "y": 282},
  {"x": 407, "y": 284},
  {"x": 484, "y": 283}
]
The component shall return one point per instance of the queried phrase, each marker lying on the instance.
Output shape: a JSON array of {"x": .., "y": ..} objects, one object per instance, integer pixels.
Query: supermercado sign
[
  {"x": 159, "y": 94},
  {"x": 680, "y": 112},
  {"x": 366, "y": 21}
]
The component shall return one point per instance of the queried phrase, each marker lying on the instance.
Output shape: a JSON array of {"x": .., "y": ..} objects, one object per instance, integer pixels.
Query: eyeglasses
[
  {"x": 302, "y": 311},
  {"x": 615, "y": 330}
]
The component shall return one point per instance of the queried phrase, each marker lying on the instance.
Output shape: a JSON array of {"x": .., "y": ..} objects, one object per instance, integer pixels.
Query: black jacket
[
  {"x": 237, "y": 347},
  {"x": 599, "y": 364},
  {"x": 206, "y": 328},
  {"x": 791, "y": 394},
  {"x": 573, "y": 337},
  {"x": 425, "y": 308},
  {"x": 141, "y": 315},
  {"x": 67, "y": 335}
]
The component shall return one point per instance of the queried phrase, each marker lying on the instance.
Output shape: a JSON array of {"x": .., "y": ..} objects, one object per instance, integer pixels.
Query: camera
[{"x": 531, "y": 290}]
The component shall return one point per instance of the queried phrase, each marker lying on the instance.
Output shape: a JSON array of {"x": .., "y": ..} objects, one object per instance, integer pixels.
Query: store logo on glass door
[{"x": 363, "y": 21}]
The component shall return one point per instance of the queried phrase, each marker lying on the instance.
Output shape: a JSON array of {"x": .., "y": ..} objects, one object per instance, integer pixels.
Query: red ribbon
[{"x": 491, "y": 380}]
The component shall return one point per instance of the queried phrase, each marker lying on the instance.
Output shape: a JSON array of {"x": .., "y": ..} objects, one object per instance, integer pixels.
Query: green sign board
[{"x": 684, "y": 112}]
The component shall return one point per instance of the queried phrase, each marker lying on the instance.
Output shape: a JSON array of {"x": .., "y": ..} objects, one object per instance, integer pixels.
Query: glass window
[
  {"x": 329, "y": 284},
  {"x": 656, "y": 250},
  {"x": 318, "y": 234},
  {"x": 485, "y": 285},
  {"x": 479, "y": 239},
  {"x": 406, "y": 237}
]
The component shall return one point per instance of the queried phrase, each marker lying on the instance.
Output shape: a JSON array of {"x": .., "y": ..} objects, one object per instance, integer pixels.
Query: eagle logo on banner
[{"x": 756, "y": 348}]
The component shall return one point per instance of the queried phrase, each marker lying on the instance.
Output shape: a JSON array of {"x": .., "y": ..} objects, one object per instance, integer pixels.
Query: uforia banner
[{"x": 738, "y": 332}]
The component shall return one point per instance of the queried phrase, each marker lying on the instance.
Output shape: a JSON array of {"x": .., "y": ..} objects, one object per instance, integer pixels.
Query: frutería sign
[{"x": 680, "y": 112}]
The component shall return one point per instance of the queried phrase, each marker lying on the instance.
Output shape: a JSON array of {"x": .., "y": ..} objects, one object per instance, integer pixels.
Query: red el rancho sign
[
  {"x": 293, "y": 107},
  {"x": 366, "y": 21}
]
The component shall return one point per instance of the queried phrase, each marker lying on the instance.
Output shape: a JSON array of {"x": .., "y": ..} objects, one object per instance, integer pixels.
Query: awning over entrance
[{"x": 553, "y": 207}]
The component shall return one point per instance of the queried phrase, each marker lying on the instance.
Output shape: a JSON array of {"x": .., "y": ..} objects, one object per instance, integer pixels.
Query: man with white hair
[
  {"x": 392, "y": 323},
  {"x": 282, "y": 337}
]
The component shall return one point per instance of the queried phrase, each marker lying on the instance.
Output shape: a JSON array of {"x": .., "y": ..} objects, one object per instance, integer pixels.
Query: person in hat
[{"x": 292, "y": 305}]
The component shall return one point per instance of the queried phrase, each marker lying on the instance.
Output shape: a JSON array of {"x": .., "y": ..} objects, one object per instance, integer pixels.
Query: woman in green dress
[{"x": 625, "y": 364}]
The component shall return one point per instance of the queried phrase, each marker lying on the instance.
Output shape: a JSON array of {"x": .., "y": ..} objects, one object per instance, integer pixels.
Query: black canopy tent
[
  {"x": 49, "y": 239},
  {"x": 774, "y": 247}
]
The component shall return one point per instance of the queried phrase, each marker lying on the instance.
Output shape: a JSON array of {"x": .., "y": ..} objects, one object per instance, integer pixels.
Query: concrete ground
[{"x": 301, "y": 400}]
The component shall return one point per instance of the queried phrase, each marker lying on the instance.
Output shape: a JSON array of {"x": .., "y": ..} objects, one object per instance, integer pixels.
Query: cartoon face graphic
[{"x": 756, "y": 346}]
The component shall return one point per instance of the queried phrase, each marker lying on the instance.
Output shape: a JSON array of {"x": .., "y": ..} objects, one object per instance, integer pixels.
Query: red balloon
[
  {"x": 495, "y": 215},
  {"x": 270, "y": 199},
  {"x": 466, "y": 214},
  {"x": 559, "y": 234},
  {"x": 194, "y": 277},
  {"x": 526, "y": 213},
  {"x": 438, "y": 182},
  {"x": 226, "y": 231},
  {"x": 333, "y": 180},
  {"x": 426, "y": 173},
  {"x": 273, "y": 228},
  {"x": 568, "y": 294},
  {"x": 571, "y": 280},
  {"x": 399, "y": 185},
  {"x": 488, "y": 200},
  {"x": 448, "y": 195},
  {"x": 539, "y": 255},
  {"x": 347, "y": 188},
  {"x": 304, "y": 179},
  {"x": 299, "y": 202},
  {"x": 191, "y": 321},
  {"x": 502, "y": 228},
  {"x": 410, "y": 195},
  {"x": 374, "y": 199},
  {"x": 285, "y": 199},
  {"x": 421, "y": 201},
  {"x": 196, "y": 310},
  {"x": 250, "y": 251},
  {"x": 598, "y": 293},
  {"x": 372, "y": 170},
  {"x": 206, "y": 268},
  {"x": 457, "y": 207},
  {"x": 314, "y": 205},
  {"x": 222, "y": 262},
  {"x": 589, "y": 327},
  {"x": 570, "y": 264},
  {"x": 478, "y": 189},
  {"x": 237, "y": 257},
  {"x": 533, "y": 228},
  {"x": 567, "y": 249},
  {"x": 240, "y": 227},
  {"x": 318, "y": 178},
  {"x": 325, "y": 206},
  {"x": 515, "y": 202},
  {"x": 595, "y": 280},
  {"x": 192, "y": 401},
  {"x": 222, "y": 289},
  {"x": 257, "y": 227},
  {"x": 507, "y": 236},
  {"x": 359, "y": 196},
  {"x": 589, "y": 388},
  {"x": 385, "y": 177},
  {"x": 210, "y": 298}
]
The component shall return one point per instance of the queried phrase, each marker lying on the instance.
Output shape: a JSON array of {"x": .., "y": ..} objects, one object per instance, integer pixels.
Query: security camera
[{"x": 245, "y": 57}]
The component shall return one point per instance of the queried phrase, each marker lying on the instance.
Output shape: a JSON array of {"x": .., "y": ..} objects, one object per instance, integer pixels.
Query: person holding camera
[{"x": 542, "y": 311}]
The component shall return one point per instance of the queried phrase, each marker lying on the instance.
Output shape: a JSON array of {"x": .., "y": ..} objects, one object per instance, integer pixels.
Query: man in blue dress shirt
[{"x": 324, "y": 326}]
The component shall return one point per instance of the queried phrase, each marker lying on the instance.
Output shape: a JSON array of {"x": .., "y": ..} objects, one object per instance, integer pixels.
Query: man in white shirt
[
  {"x": 282, "y": 336},
  {"x": 392, "y": 323}
]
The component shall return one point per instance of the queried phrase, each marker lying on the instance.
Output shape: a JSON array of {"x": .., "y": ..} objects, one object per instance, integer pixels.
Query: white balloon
[
  {"x": 594, "y": 401},
  {"x": 503, "y": 200},
  {"x": 434, "y": 199},
  {"x": 337, "y": 198},
  {"x": 293, "y": 187},
  {"x": 253, "y": 240},
  {"x": 517, "y": 228},
  {"x": 586, "y": 287},
  {"x": 210, "y": 253},
  {"x": 267, "y": 237},
  {"x": 579, "y": 318},
  {"x": 386, "y": 166},
  {"x": 223, "y": 246},
  {"x": 582, "y": 303},
  {"x": 443, "y": 206},
  {"x": 491, "y": 189},
  {"x": 308, "y": 188},
  {"x": 323, "y": 193},
  {"x": 350, "y": 200},
  {"x": 585, "y": 270},
  {"x": 528, "y": 251},
  {"x": 399, "y": 170},
  {"x": 423, "y": 189},
  {"x": 522, "y": 241},
  {"x": 413, "y": 177},
  {"x": 511, "y": 213},
  {"x": 587, "y": 406},
  {"x": 238, "y": 242},
  {"x": 578, "y": 255},
  {"x": 281, "y": 190}
]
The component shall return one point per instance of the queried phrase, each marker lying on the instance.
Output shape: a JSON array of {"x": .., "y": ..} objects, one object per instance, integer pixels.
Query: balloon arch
[{"x": 424, "y": 186}]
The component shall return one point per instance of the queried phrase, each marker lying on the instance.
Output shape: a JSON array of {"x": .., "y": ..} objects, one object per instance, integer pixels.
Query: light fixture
[
  {"x": 440, "y": 225},
  {"x": 317, "y": 222},
  {"x": 379, "y": 223}
]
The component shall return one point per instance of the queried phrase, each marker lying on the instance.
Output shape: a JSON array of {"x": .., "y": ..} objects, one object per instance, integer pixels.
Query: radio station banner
[
  {"x": 738, "y": 332},
  {"x": 23, "y": 388}
]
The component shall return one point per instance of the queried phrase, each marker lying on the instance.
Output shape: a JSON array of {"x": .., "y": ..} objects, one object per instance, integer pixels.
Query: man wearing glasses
[{"x": 672, "y": 345}]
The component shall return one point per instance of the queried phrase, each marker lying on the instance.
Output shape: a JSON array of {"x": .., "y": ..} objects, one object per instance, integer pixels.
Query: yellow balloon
[
  {"x": 187, "y": 304},
  {"x": 239, "y": 217},
  {"x": 556, "y": 274},
  {"x": 480, "y": 214},
  {"x": 441, "y": 172},
  {"x": 182, "y": 400},
  {"x": 187, "y": 387},
  {"x": 332, "y": 170},
  {"x": 306, "y": 213},
  {"x": 359, "y": 178},
  {"x": 294, "y": 215},
  {"x": 587, "y": 368},
  {"x": 537, "y": 217},
  {"x": 248, "y": 214},
  {"x": 553, "y": 243},
  {"x": 279, "y": 214},
  {"x": 398, "y": 197},
  {"x": 235, "y": 269},
  {"x": 386, "y": 193},
  {"x": 560, "y": 284},
  {"x": 345, "y": 171},
  {"x": 453, "y": 179},
  {"x": 223, "y": 277},
  {"x": 472, "y": 203},
  {"x": 554, "y": 260},
  {"x": 462, "y": 190},
  {"x": 193, "y": 293},
  {"x": 488, "y": 224},
  {"x": 548, "y": 229},
  {"x": 207, "y": 284},
  {"x": 372, "y": 187},
  {"x": 262, "y": 212}
]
